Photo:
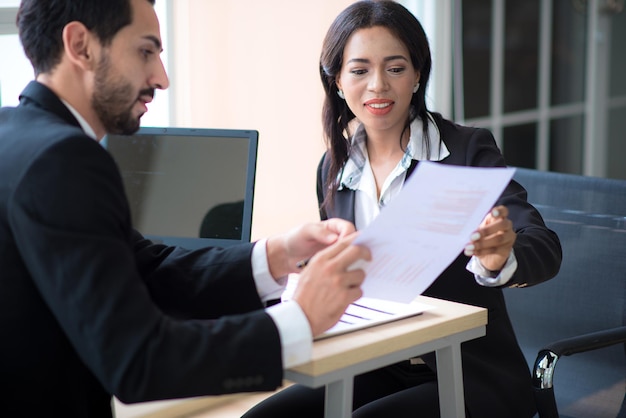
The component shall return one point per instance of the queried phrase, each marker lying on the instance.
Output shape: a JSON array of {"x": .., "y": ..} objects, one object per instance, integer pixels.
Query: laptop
[{"x": 189, "y": 187}]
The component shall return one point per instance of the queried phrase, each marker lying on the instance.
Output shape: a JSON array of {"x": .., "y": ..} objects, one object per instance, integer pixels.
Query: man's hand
[
  {"x": 327, "y": 285},
  {"x": 285, "y": 252},
  {"x": 494, "y": 239}
]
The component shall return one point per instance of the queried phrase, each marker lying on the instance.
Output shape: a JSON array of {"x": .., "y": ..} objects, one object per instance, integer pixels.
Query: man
[{"x": 88, "y": 307}]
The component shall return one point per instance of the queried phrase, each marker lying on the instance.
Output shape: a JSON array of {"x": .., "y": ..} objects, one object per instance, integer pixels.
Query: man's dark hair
[{"x": 41, "y": 22}]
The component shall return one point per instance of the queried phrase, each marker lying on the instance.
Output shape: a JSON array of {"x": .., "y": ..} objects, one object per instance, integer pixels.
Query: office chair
[
  {"x": 579, "y": 317},
  {"x": 545, "y": 365}
]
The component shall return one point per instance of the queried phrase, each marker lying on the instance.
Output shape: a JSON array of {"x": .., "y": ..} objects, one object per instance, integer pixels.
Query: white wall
[{"x": 254, "y": 65}]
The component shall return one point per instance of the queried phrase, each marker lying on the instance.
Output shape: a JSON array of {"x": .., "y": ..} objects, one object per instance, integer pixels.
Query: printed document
[
  {"x": 424, "y": 229},
  {"x": 416, "y": 237}
]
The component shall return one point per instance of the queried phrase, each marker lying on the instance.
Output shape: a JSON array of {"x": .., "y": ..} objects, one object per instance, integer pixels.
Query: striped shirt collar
[{"x": 350, "y": 175}]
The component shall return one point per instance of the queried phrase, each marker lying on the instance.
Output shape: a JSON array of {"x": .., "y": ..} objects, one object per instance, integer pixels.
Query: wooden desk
[{"x": 338, "y": 359}]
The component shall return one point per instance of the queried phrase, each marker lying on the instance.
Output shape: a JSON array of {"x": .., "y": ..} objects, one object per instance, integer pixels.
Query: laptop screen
[{"x": 189, "y": 187}]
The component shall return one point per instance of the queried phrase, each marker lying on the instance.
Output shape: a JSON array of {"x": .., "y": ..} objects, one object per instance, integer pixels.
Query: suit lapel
[
  {"x": 344, "y": 205},
  {"x": 409, "y": 170}
]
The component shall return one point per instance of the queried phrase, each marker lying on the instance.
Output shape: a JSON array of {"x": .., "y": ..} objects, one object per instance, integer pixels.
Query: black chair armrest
[
  {"x": 587, "y": 342},
  {"x": 543, "y": 371}
]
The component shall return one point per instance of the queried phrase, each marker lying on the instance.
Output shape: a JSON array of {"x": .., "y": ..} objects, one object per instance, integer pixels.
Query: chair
[{"x": 578, "y": 318}]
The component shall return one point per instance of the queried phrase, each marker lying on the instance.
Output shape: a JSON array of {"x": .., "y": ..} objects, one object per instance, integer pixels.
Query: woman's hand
[{"x": 492, "y": 242}]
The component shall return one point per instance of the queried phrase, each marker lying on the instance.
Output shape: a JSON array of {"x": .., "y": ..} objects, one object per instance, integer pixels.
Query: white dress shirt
[{"x": 293, "y": 327}]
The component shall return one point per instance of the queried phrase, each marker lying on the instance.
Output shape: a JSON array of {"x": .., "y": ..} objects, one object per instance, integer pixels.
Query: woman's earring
[
  {"x": 417, "y": 86},
  {"x": 340, "y": 94}
]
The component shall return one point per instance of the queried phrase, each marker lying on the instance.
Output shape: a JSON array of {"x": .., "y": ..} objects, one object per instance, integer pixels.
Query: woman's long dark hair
[{"x": 336, "y": 115}]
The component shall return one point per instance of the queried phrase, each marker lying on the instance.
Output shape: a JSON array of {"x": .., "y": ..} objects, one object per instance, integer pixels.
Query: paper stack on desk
[
  {"x": 416, "y": 237},
  {"x": 365, "y": 312}
]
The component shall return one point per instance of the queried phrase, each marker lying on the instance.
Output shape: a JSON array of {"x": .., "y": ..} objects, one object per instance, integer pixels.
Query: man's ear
[{"x": 79, "y": 44}]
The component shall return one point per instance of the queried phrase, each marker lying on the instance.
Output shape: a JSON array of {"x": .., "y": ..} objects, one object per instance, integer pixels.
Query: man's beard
[{"x": 113, "y": 100}]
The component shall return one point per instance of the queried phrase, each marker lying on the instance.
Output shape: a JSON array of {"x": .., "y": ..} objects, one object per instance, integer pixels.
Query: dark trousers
[{"x": 400, "y": 390}]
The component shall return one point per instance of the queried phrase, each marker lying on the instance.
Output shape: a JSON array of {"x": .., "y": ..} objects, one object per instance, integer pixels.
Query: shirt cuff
[
  {"x": 483, "y": 276},
  {"x": 267, "y": 287},
  {"x": 295, "y": 333}
]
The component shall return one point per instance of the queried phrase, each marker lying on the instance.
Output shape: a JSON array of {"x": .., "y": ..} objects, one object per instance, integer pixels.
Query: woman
[{"x": 375, "y": 66}]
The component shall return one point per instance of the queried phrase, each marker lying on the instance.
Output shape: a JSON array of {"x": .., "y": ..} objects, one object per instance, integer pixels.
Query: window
[
  {"x": 15, "y": 76},
  {"x": 545, "y": 77}
]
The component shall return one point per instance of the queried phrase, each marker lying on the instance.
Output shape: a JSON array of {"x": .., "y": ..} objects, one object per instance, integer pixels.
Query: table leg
[
  {"x": 339, "y": 399},
  {"x": 450, "y": 378}
]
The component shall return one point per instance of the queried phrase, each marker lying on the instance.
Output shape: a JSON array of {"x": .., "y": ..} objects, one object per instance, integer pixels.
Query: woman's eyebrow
[
  {"x": 395, "y": 57},
  {"x": 386, "y": 59}
]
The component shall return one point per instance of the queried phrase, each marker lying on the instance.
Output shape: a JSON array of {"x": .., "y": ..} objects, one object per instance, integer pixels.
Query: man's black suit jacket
[
  {"x": 88, "y": 308},
  {"x": 496, "y": 377}
]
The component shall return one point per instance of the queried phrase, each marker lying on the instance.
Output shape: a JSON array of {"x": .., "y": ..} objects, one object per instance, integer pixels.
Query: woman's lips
[{"x": 379, "y": 107}]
